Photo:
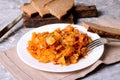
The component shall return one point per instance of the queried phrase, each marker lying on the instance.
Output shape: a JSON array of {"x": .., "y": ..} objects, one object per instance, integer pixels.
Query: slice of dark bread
[
  {"x": 28, "y": 9},
  {"x": 103, "y": 31},
  {"x": 39, "y": 5},
  {"x": 59, "y": 8}
]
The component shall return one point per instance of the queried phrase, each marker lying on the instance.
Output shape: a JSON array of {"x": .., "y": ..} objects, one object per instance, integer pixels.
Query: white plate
[{"x": 83, "y": 63}]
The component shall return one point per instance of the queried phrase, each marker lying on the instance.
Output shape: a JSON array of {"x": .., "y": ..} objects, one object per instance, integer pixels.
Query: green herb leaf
[{"x": 69, "y": 45}]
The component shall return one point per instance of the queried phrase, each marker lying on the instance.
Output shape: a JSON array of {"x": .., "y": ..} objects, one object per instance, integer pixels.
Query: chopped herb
[
  {"x": 52, "y": 32},
  {"x": 69, "y": 45}
]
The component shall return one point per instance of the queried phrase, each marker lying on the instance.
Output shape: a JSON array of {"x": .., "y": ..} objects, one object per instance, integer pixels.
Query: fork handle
[{"x": 113, "y": 40}]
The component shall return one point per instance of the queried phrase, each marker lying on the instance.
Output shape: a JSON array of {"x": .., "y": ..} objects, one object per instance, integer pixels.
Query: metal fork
[{"x": 99, "y": 42}]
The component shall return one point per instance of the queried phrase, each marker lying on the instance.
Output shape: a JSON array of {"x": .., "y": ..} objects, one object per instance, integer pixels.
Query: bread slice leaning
[
  {"x": 28, "y": 9},
  {"x": 39, "y": 5},
  {"x": 59, "y": 8},
  {"x": 103, "y": 31}
]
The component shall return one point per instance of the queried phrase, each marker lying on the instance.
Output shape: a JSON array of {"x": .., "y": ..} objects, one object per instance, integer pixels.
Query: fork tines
[{"x": 94, "y": 44}]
